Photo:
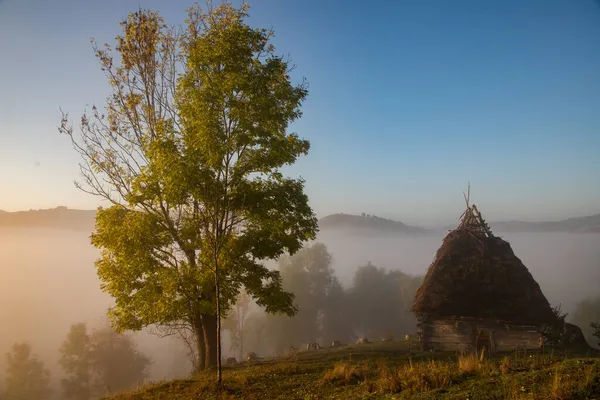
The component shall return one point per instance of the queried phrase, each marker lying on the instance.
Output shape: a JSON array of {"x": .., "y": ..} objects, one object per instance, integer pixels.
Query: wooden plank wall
[{"x": 461, "y": 335}]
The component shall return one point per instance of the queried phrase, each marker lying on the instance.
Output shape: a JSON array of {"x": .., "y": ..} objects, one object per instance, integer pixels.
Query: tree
[
  {"x": 100, "y": 363},
  {"x": 585, "y": 313},
  {"x": 116, "y": 361},
  {"x": 235, "y": 322},
  {"x": 381, "y": 300},
  {"x": 336, "y": 323},
  {"x": 307, "y": 274},
  {"x": 596, "y": 327},
  {"x": 26, "y": 376},
  {"x": 189, "y": 156},
  {"x": 76, "y": 361}
]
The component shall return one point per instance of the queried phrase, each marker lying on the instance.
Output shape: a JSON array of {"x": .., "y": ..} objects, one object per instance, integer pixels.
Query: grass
[{"x": 393, "y": 371}]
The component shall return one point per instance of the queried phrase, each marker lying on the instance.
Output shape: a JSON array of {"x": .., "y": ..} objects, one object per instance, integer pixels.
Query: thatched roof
[{"x": 477, "y": 275}]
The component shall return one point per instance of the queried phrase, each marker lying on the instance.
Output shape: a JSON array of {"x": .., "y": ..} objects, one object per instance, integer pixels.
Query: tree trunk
[
  {"x": 218, "y": 329},
  {"x": 200, "y": 346},
  {"x": 209, "y": 326},
  {"x": 241, "y": 346},
  {"x": 242, "y": 337}
]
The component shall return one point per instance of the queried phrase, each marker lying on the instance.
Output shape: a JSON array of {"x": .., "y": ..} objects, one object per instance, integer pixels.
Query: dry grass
[
  {"x": 418, "y": 377},
  {"x": 505, "y": 366},
  {"x": 345, "y": 373},
  {"x": 565, "y": 385},
  {"x": 469, "y": 363},
  {"x": 516, "y": 375}
]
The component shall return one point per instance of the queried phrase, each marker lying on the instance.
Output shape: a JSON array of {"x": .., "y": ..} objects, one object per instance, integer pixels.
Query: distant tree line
[{"x": 375, "y": 217}]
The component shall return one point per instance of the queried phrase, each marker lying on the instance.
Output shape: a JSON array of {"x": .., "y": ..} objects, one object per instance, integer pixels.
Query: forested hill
[
  {"x": 55, "y": 218},
  {"x": 366, "y": 222}
]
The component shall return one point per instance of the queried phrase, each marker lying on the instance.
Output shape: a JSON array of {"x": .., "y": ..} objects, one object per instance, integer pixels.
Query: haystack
[{"x": 477, "y": 275}]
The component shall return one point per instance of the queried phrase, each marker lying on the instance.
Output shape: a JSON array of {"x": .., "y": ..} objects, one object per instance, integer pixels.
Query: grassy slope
[{"x": 392, "y": 371}]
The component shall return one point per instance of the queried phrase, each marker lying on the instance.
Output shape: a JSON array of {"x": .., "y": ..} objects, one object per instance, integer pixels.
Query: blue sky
[{"x": 409, "y": 100}]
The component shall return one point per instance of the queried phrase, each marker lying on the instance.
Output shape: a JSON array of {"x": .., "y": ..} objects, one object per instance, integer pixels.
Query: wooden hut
[{"x": 478, "y": 294}]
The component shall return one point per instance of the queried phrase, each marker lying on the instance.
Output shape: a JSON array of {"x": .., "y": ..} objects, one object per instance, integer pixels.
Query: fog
[
  {"x": 48, "y": 282},
  {"x": 566, "y": 265}
]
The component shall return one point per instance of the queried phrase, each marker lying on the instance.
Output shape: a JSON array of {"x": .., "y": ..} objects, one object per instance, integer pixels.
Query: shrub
[{"x": 596, "y": 327}]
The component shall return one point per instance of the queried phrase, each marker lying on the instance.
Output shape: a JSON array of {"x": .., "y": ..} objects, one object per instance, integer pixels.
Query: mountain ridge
[
  {"x": 65, "y": 218},
  {"x": 56, "y": 218}
]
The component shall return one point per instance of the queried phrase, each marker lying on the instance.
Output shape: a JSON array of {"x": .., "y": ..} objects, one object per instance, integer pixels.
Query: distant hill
[
  {"x": 56, "y": 218},
  {"x": 589, "y": 224},
  {"x": 64, "y": 218},
  {"x": 366, "y": 222}
]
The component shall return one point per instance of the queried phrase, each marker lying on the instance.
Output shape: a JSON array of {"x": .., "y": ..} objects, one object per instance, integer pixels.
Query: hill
[
  {"x": 392, "y": 370},
  {"x": 55, "y": 218},
  {"x": 366, "y": 223}
]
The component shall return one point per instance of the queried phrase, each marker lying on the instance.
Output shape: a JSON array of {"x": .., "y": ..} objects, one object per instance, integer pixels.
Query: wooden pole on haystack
[{"x": 467, "y": 199}]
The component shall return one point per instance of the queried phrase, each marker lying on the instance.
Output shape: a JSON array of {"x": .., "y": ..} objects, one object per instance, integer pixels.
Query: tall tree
[
  {"x": 76, "y": 362},
  {"x": 189, "y": 152},
  {"x": 26, "y": 376}
]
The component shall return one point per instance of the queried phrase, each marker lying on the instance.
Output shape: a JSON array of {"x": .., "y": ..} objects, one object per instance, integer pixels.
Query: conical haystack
[{"x": 477, "y": 275}]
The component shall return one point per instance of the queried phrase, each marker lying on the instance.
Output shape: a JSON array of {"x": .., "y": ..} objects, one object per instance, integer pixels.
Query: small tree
[
  {"x": 553, "y": 333},
  {"x": 26, "y": 376},
  {"x": 596, "y": 327},
  {"x": 76, "y": 361}
]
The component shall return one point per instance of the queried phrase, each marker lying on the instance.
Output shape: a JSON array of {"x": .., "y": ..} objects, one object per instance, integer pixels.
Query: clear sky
[{"x": 409, "y": 100}]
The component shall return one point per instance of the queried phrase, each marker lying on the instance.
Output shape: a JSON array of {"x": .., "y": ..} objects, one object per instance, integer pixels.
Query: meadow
[{"x": 394, "y": 370}]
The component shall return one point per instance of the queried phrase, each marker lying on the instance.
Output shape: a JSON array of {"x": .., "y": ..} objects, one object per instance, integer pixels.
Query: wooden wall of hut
[{"x": 465, "y": 335}]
